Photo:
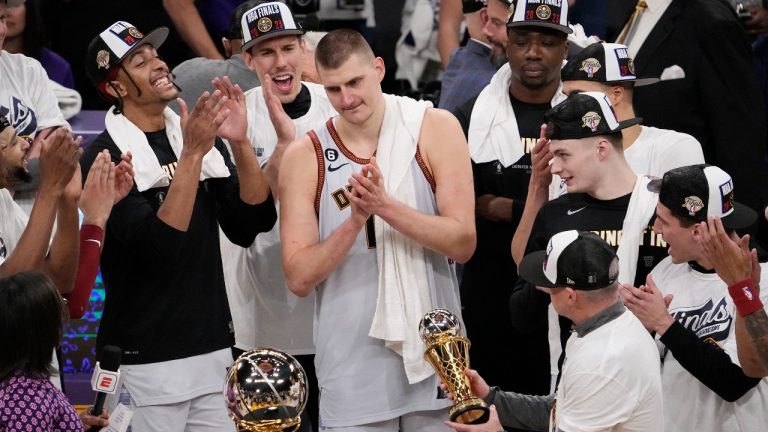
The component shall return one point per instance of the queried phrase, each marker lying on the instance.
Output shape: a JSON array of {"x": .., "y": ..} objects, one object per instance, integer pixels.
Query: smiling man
[
  {"x": 605, "y": 196},
  {"x": 166, "y": 304},
  {"x": 688, "y": 306},
  {"x": 279, "y": 111}
]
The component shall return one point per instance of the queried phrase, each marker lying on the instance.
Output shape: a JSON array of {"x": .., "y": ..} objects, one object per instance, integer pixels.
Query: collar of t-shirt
[
  {"x": 603, "y": 317},
  {"x": 699, "y": 268},
  {"x": 299, "y": 106},
  {"x": 620, "y": 202}
]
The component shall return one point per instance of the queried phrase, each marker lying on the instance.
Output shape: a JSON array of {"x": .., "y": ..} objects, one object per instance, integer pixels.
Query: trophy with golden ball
[
  {"x": 266, "y": 391},
  {"x": 448, "y": 353}
]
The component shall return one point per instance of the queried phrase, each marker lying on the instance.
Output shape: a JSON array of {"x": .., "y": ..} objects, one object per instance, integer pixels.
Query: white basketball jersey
[{"x": 360, "y": 380}]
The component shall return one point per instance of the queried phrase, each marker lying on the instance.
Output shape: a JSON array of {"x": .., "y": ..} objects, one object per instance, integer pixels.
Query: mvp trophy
[
  {"x": 448, "y": 353},
  {"x": 266, "y": 391}
]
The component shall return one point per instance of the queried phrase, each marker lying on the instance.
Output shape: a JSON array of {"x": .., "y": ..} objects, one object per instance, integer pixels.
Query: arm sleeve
[
  {"x": 527, "y": 305},
  {"x": 133, "y": 222},
  {"x": 521, "y": 411},
  {"x": 241, "y": 222},
  {"x": 91, "y": 237},
  {"x": 726, "y": 69},
  {"x": 708, "y": 363}
]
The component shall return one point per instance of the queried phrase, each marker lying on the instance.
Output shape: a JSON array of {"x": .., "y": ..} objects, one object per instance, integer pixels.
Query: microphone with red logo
[{"x": 105, "y": 378}]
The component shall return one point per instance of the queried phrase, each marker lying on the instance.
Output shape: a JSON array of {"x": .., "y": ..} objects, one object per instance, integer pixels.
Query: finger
[
  {"x": 183, "y": 110},
  {"x": 668, "y": 299},
  {"x": 111, "y": 176},
  {"x": 221, "y": 117}
]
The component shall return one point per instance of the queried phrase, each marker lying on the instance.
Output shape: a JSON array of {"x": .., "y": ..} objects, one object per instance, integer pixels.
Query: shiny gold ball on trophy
[
  {"x": 448, "y": 353},
  {"x": 266, "y": 391}
]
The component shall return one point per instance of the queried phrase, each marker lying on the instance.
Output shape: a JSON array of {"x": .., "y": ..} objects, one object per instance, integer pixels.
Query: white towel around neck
[
  {"x": 148, "y": 172},
  {"x": 403, "y": 297},
  {"x": 493, "y": 133},
  {"x": 642, "y": 205}
]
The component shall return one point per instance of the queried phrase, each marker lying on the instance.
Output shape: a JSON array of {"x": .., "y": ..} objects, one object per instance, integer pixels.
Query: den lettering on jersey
[
  {"x": 339, "y": 169},
  {"x": 22, "y": 117}
]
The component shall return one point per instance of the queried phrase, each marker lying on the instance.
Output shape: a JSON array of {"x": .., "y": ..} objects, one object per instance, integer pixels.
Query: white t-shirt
[
  {"x": 26, "y": 95},
  {"x": 264, "y": 311},
  {"x": 654, "y": 152},
  {"x": 611, "y": 381},
  {"x": 701, "y": 303},
  {"x": 13, "y": 220}
]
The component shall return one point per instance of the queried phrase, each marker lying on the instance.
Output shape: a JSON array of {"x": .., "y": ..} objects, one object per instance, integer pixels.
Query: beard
[{"x": 18, "y": 175}]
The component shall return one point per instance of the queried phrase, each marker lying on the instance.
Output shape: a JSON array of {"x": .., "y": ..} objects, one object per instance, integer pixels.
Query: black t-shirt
[
  {"x": 165, "y": 294},
  {"x": 581, "y": 212},
  {"x": 492, "y": 262}
]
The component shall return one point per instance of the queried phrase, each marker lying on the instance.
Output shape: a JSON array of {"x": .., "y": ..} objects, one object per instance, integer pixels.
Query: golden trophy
[
  {"x": 266, "y": 391},
  {"x": 448, "y": 353}
]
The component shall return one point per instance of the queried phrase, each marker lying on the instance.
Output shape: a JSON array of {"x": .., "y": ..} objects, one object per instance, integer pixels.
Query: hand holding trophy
[
  {"x": 266, "y": 391},
  {"x": 448, "y": 353}
]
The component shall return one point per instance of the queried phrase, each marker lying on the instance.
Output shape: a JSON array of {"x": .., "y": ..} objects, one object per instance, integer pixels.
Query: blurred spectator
[
  {"x": 193, "y": 77},
  {"x": 449, "y": 30},
  {"x": 26, "y": 35},
  {"x": 470, "y": 68}
]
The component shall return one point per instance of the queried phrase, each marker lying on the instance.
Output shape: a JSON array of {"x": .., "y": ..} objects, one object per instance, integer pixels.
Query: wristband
[{"x": 744, "y": 297}]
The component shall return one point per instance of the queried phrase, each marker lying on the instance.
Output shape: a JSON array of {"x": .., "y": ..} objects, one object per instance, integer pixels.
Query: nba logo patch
[{"x": 259, "y": 151}]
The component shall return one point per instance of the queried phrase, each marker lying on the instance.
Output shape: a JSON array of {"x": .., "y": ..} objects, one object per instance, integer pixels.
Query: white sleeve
[
  {"x": 592, "y": 402},
  {"x": 43, "y": 98},
  {"x": 683, "y": 152}
]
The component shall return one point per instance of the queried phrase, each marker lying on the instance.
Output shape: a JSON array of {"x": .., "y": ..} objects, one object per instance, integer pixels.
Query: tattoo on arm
[{"x": 757, "y": 327}]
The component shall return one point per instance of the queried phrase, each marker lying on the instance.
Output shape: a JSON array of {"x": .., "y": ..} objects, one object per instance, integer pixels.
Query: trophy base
[
  {"x": 470, "y": 411},
  {"x": 289, "y": 425}
]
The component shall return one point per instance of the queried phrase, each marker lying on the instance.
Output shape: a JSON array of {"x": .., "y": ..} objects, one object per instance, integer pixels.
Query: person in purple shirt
[
  {"x": 25, "y": 35},
  {"x": 30, "y": 328}
]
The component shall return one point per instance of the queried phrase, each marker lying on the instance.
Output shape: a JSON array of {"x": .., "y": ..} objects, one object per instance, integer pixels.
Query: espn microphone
[{"x": 105, "y": 378}]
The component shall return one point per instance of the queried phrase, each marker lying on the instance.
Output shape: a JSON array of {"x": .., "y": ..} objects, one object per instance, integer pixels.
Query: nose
[
  {"x": 533, "y": 51},
  {"x": 346, "y": 98},
  {"x": 25, "y": 143},
  {"x": 487, "y": 30},
  {"x": 555, "y": 168},
  {"x": 657, "y": 226}
]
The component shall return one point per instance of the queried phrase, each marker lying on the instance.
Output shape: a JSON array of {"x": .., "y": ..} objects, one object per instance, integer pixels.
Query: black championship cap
[
  {"x": 584, "y": 115},
  {"x": 266, "y": 21},
  {"x": 606, "y": 63},
  {"x": 541, "y": 13},
  {"x": 114, "y": 44},
  {"x": 700, "y": 191},
  {"x": 471, "y": 6},
  {"x": 575, "y": 259}
]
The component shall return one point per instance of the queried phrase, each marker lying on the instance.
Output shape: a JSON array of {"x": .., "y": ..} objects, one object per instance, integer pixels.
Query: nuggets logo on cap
[
  {"x": 135, "y": 33},
  {"x": 543, "y": 12},
  {"x": 102, "y": 59},
  {"x": 590, "y": 66},
  {"x": 591, "y": 120},
  {"x": 693, "y": 204},
  {"x": 264, "y": 25}
]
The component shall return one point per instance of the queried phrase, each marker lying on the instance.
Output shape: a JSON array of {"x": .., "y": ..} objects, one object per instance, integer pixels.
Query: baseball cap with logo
[
  {"x": 584, "y": 115},
  {"x": 541, "y": 13},
  {"x": 700, "y": 191},
  {"x": 602, "y": 62},
  {"x": 115, "y": 44},
  {"x": 471, "y": 6},
  {"x": 576, "y": 259},
  {"x": 235, "y": 30},
  {"x": 266, "y": 21}
]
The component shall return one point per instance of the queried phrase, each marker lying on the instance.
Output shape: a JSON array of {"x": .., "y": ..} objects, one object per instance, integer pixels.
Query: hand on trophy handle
[
  {"x": 478, "y": 385},
  {"x": 492, "y": 425}
]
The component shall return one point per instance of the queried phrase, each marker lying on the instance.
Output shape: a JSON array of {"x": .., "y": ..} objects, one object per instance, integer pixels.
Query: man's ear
[
  {"x": 227, "y": 47},
  {"x": 603, "y": 147},
  {"x": 115, "y": 88}
]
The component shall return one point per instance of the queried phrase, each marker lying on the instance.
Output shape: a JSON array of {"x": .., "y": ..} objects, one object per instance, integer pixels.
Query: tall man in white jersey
[
  {"x": 264, "y": 311},
  {"x": 374, "y": 205}
]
